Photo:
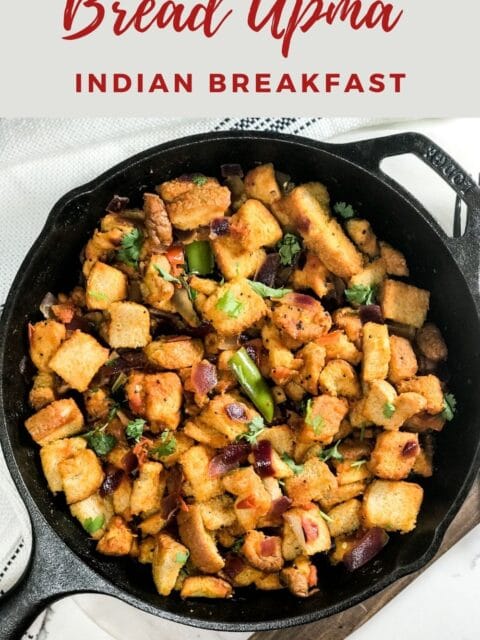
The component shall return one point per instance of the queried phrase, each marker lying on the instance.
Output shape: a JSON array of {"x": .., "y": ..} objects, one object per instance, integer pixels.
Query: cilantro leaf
[
  {"x": 357, "y": 464},
  {"x": 92, "y": 525},
  {"x": 296, "y": 468},
  {"x": 361, "y": 294},
  {"x": 167, "y": 446},
  {"x": 331, "y": 454},
  {"x": 237, "y": 545},
  {"x": 346, "y": 211},
  {"x": 267, "y": 292},
  {"x": 166, "y": 276},
  {"x": 102, "y": 443},
  {"x": 449, "y": 406},
  {"x": 388, "y": 409},
  {"x": 316, "y": 422},
  {"x": 255, "y": 427},
  {"x": 288, "y": 248},
  {"x": 120, "y": 380},
  {"x": 199, "y": 179},
  {"x": 229, "y": 304},
  {"x": 182, "y": 556},
  {"x": 134, "y": 429},
  {"x": 130, "y": 247}
]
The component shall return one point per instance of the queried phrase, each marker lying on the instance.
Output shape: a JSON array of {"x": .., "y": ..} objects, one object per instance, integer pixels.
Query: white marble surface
[{"x": 444, "y": 603}]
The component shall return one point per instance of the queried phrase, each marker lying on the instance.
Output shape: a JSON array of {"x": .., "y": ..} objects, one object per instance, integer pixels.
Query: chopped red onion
[
  {"x": 268, "y": 546},
  {"x": 296, "y": 526},
  {"x": 371, "y": 313},
  {"x": 111, "y": 481},
  {"x": 219, "y": 227},
  {"x": 236, "y": 411},
  {"x": 46, "y": 305},
  {"x": 234, "y": 565},
  {"x": 203, "y": 377},
  {"x": 368, "y": 546},
  {"x": 229, "y": 458},
  {"x": 130, "y": 462},
  {"x": 410, "y": 449},
  {"x": 299, "y": 299},
  {"x": 117, "y": 204},
  {"x": 263, "y": 455},
  {"x": 279, "y": 506},
  {"x": 310, "y": 529},
  {"x": 228, "y": 170},
  {"x": 267, "y": 273}
]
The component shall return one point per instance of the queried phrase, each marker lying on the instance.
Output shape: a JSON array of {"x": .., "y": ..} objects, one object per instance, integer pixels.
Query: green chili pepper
[
  {"x": 200, "y": 257},
  {"x": 253, "y": 383}
]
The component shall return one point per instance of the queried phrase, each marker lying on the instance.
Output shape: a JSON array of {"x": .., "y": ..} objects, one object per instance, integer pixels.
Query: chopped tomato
[
  {"x": 267, "y": 547},
  {"x": 141, "y": 450},
  {"x": 176, "y": 259}
]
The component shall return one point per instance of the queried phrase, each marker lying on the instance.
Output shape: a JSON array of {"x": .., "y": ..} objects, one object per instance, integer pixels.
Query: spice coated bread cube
[
  {"x": 345, "y": 518},
  {"x": 314, "y": 483},
  {"x": 156, "y": 291},
  {"x": 324, "y": 420},
  {"x": 376, "y": 352},
  {"x": 156, "y": 396},
  {"x": 394, "y": 260},
  {"x": 78, "y": 359},
  {"x": 253, "y": 226},
  {"x": 313, "y": 275},
  {"x": 394, "y": 455},
  {"x": 263, "y": 552},
  {"x": 117, "y": 539},
  {"x": 168, "y": 559},
  {"x": 391, "y": 505},
  {"x": 218, "y": 512},
  {"x": 105, "y": 285},
  {"x": 339, "y": 378},
  {"x": 403, "y": 361},
  {"x": 203, "y": 550},
  {"x": 234, "y": 307},
  {"x": 205, "y": 587},
  {"x": 53, "y": 453},
  {"x": 404, "y": 303},
  {"x": 45, "y": 339},
  {"x": 233, "y": 260},
  {"x": 363, "y": 236},
  {"x": 427, "y": 386},
  {"x": 261, "y": 184},
  {"x": 174, "y": 354},
  {"x": 195, "y": 464},
  {"x": 148, "y": 489},
  {"x": 127, "y": 325},
  {"x": 93, "y": 508},
  {"x": 322, "y": 234},
  {"x": 337, "y": 345},
  {"x": 81, "y": 475},
  {"x": 370, "y": 276},
  {"x": 60, "y": 419}
]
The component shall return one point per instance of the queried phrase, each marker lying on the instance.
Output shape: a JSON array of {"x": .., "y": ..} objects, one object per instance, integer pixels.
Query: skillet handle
[
  {"x": 370, "y": 153},
  {"x": 53, "y": 572}
]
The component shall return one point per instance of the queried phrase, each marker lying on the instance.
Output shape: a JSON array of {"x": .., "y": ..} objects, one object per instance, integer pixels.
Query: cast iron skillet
[{"x": 63, "y": 559}]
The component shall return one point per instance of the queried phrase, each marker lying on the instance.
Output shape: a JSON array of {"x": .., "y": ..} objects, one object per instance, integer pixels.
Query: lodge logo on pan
[{"x": 443, "y": 164}]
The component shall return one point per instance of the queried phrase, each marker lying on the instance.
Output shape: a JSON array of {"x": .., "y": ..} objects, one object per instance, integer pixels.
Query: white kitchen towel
[{"x": 42, "y": 159}]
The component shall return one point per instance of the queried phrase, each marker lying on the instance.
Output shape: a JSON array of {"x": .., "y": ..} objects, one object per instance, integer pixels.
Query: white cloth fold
[{"x": 42, "y": 159}]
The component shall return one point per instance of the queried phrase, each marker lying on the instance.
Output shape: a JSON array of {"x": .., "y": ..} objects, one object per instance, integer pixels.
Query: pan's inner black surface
[{"x": 55, "y": 268}]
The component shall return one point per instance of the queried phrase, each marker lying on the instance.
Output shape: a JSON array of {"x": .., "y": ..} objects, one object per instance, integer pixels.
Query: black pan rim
[{"x": 274, "y": 623}]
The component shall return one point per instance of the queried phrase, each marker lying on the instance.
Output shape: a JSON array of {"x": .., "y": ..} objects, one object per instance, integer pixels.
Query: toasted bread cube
[
  {"x": 261, "y": 183},
  {"x": 283, "y": 364},
  {"x": 423, "y": 465},
  {"x": 194, "y": 203},
  {"x": 43, "y": 390},
  {"x": 316, "y": 482},
  {"x": 337, "y": 345},
  {"x": 345, "y": 518},
  {"x": 203, "y": 433},
  {"x": 157, "y": 397},
  {"x": 233, "y": 260},
  {"x": 370, "y": 276},
  {"x": 343, "y": 545},
  {"x": 394, "y": 260},
  {"x": 253, "y": 501},
  {"x": 148, "y": 489},
  {"x": 339, "y": 378},
  {"x": 228, "y": 414},
  {"x": 281, "y": 437},
  {"x": 394, "y": 455},
  {"x": 322, "y": 234},
  {"x": 403, "y": 362},
  {"x": 348, "y": 472},
  {"x": 168, "y": 559},
  {"x": 313, "y": 357},
  {"x": 253, "y": 226},
  {"x": 310, "y": 529},
  {"x": 393, "y": 506},
  {"x": 147, "y": 549},
  {"x": 117, "y": 539},
  {"x": 195, "y": 463},
  {"x": 404, "y": 303},
  {"x": 174, "y": 354},
  {"x": 234, "y": 307},
  {"x": 421, "y": 422},
  {"x": 78, "y": 359},
  {"x": 268, "y": 582},
  {"x": 349, "y": 321},
  {"x": 45, "y": 339},
  {"x": 301, "y": 317},
  {"x": 183, "y": 442},
  {"x": 427, "y": 386},
  {"x": 153, "y": 524},
  {"x": 314, "y": 275},
  {"x": 204, "y": 553},
  {"x": 263, "y": 552},
  {"x": 343, "y": 493},
  {"x": 105, "y": 285},
  {"x": 60, "y": 419},
  {"x": 326, "y": 414},
  {"x": 376, "y": 352},
  {"x": 383, "y": 407},
  {"x": 205, "y": 587},
  {"x": 363, "y": 236},
  {"x": 53, "y": 453},
  {"x": 156, "y": 291},
  {"x": 93, "y": 508},
  {"x": 81, "y": 475},
  {"x": 218, "y": 512},
  {"x": 127, "y": 325}
]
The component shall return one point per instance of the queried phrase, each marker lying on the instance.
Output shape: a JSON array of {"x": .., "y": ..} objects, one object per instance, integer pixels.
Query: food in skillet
[{"x": 242, "y": 380}]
